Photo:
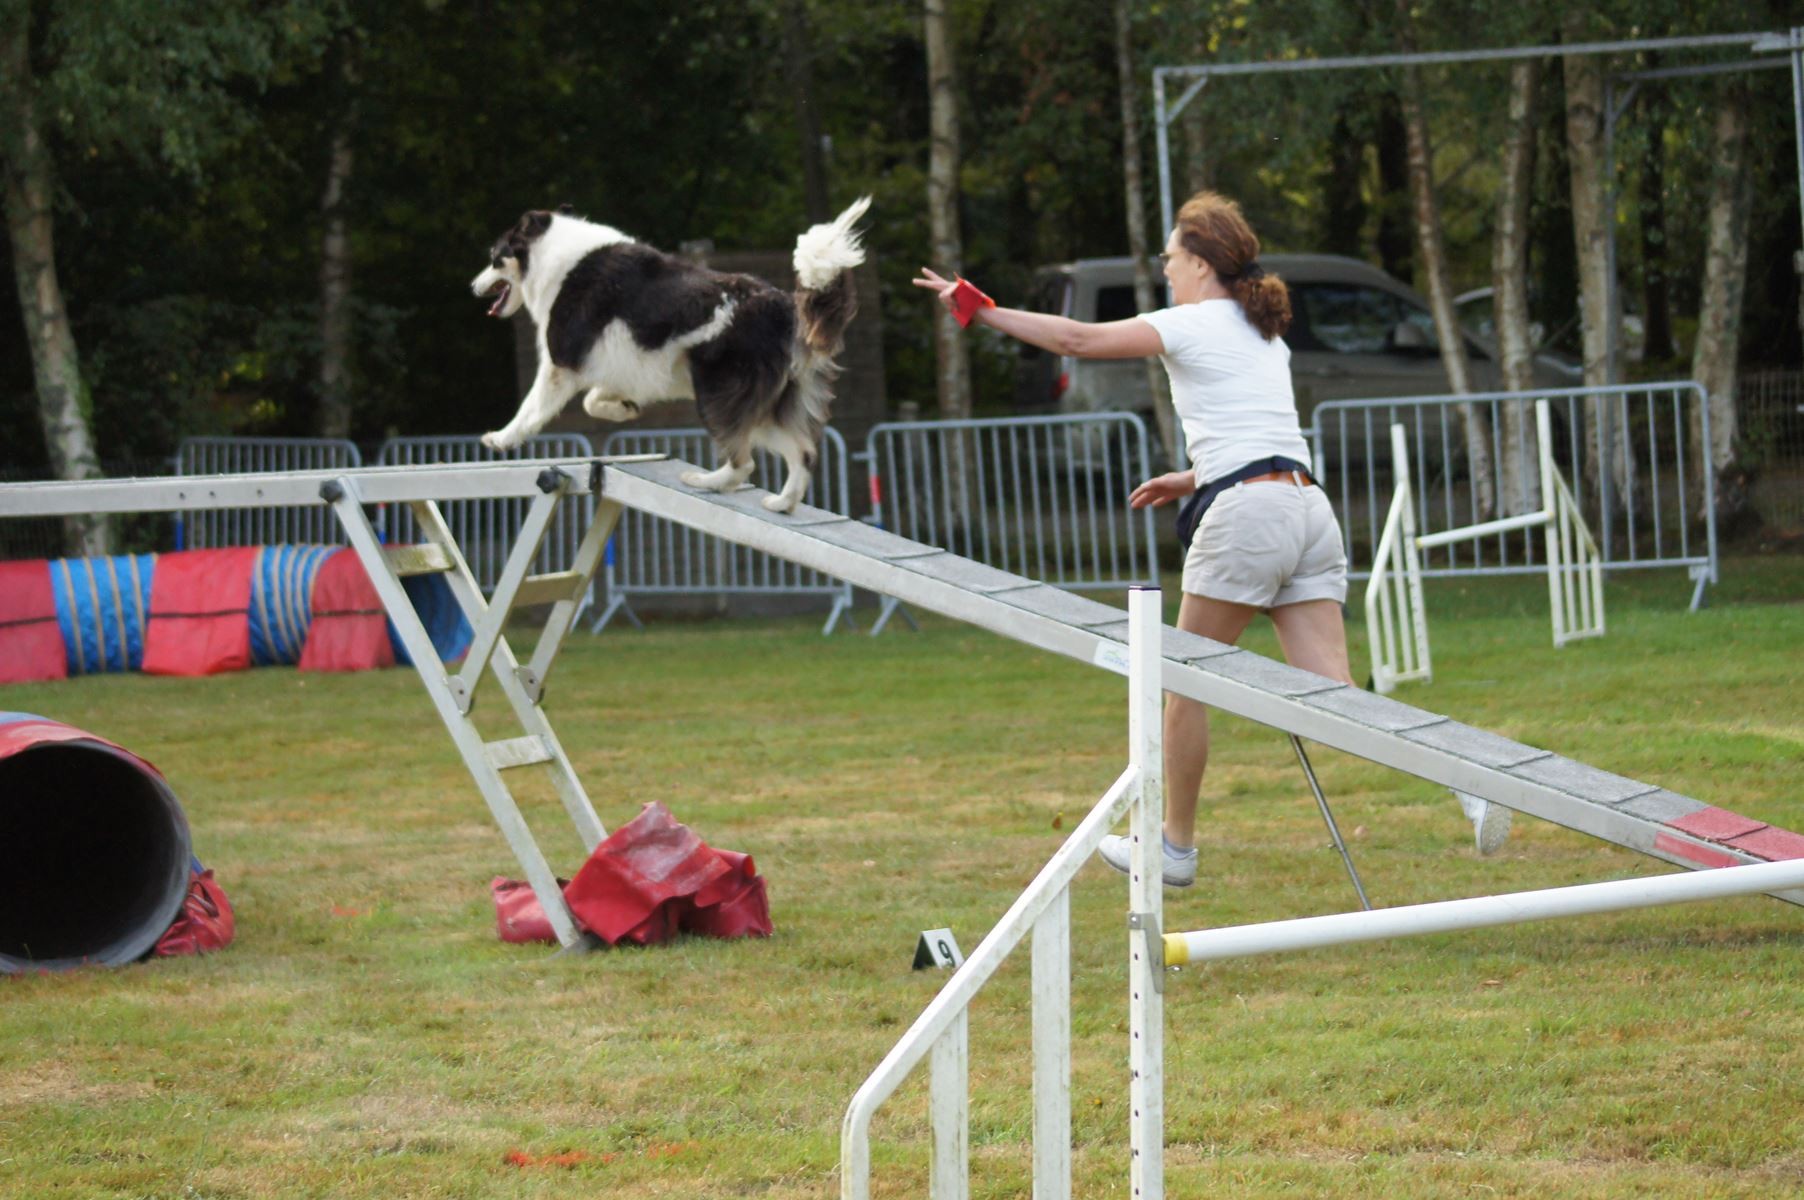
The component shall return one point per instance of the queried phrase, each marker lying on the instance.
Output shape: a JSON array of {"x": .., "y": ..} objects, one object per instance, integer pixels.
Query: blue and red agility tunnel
[
  {"x": 201, "y": 612},
  {"x": 95, "y": 859}
]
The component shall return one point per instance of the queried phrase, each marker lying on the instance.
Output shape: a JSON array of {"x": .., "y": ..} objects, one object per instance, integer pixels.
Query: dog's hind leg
[
  {"x": 551, "y": 390},
  {"x": 724, "y": 478},
  {"x": 798, "y": 459}
]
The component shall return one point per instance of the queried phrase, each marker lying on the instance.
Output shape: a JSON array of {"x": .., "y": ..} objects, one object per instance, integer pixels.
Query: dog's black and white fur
[{"x": 630, "y": 325}]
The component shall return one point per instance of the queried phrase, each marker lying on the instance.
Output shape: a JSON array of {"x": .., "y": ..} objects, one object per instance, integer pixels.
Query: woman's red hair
[{"x": 1211, "y": 227}]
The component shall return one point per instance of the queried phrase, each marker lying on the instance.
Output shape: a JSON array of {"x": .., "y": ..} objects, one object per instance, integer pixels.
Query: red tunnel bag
[
  {"x": 350, "y": 628},
  {"x": 200, "y": 604},
  {"x": 31, "y": 641}
]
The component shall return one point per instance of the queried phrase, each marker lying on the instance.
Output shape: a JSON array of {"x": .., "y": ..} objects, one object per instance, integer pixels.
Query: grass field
[{"x": 368, "y": 1036}]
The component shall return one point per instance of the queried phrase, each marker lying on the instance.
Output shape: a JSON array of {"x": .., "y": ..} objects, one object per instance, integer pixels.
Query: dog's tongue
[{"x": 500, "y": 299}]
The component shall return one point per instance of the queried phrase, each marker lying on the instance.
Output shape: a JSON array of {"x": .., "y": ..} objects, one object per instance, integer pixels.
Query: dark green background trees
[{"x": 190, "y": 167}]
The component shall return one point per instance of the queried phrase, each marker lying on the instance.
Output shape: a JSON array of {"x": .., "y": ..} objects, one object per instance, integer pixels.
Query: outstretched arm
[{"x": 1132, "y": 338}]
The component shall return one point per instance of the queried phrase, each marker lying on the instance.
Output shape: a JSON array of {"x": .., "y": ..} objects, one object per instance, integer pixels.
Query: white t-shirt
[{"x": 1231, "y": 387}]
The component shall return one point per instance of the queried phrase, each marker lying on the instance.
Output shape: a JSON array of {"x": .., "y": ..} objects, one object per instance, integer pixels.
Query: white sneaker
[
  {"x": 1180, "y": 870},
  {"x": 1490, "y": 822}
]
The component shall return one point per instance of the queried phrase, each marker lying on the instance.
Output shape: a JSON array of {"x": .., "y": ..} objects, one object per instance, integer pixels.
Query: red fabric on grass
[
  {"x": 31, "y": 641},
  {"x": 350, "y": 629},
  {"x": 519, "y": 917},
  {"x": 206, "y": 922},
  {"x": 649, "y": 880},
  {"x": 200, "y": 602},
  {"x": 734, "y": 905},
  {"x": 626, "y": 889}
]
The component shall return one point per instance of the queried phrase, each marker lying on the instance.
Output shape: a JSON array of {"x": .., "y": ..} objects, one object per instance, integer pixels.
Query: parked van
[{"x": 1355, "y": 333}]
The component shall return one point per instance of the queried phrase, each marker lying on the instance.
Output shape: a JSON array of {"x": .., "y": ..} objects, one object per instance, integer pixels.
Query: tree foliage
[{"x": 191, "y": 156}]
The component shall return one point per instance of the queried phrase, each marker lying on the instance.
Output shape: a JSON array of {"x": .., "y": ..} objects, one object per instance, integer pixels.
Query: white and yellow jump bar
[{"x": 1479, "y": 912}]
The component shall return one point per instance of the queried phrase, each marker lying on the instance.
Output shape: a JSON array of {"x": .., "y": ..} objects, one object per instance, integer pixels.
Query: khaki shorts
[{"x": 1268, "y": 544}]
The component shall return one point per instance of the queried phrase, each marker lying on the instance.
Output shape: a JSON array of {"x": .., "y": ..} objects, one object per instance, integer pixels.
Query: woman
[{"x": 1268, "y": 540}]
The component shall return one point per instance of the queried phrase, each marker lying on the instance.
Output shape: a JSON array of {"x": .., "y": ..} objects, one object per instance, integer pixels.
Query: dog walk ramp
[
  {"x": 1630, "y": 813},
  {"x": 1637, "y": 815}
]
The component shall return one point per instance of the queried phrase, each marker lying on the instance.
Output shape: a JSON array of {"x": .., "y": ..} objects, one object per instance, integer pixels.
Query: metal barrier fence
[
  {"x": 1044, "y": 497},
  {"x": 313, "y": 525},
  {"x": 485, "y": 529},
  {"x": 650, "y": 556},
  {"x": 1632, "y": 452},
  {"x": 1771, "y": 437}
]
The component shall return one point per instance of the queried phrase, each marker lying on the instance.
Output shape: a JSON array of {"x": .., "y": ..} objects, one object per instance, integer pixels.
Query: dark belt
[{"x": 1276, "y": 467}]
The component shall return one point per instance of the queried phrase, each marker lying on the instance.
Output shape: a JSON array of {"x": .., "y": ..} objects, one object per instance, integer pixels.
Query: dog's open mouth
[{"x": 501, "y": 291}]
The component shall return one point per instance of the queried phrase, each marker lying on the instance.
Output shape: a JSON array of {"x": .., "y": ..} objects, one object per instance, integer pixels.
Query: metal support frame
[
  {"x": 348, "y": 493},
  {"x": 1321, "y": 802},
  {"x": 454, "y": 696},
  {"x": 941, "y": 1033},
  {"x": 1396, "y": 617},
  {"x": 1342, "y": 424},
  {"x": 1791, "y": 43},
  {"x": 1575, "y": 577}
]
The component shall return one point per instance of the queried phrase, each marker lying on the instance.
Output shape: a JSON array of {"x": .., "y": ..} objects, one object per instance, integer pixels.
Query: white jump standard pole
[{"x": 1146, "y": 897}]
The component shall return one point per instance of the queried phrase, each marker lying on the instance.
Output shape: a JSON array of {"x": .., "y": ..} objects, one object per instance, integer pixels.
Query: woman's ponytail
[{"x": 1266, "y": 302}]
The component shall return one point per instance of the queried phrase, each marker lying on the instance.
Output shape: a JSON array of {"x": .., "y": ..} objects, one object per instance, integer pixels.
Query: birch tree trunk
[
  {"x": 1719, "y": 311},
  {"x": 63, "y": 403},
  {"x": 1164, "y": 416},
  {"x": 1520, "y": 470},
  {"x": 954, "y": 374},
  {"x": 1432, "y": 252},
  {"x": 335, "y": 261},
  {"x": 1590, "y": 231}
]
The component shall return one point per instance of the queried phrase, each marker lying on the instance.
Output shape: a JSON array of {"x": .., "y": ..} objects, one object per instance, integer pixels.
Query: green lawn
[{"x": 368, "y": 1036}]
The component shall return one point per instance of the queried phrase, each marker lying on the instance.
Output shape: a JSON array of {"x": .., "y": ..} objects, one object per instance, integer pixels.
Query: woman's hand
[
  {"x": 944, "y": 287},
  {"x": 1163, "y": 490}
]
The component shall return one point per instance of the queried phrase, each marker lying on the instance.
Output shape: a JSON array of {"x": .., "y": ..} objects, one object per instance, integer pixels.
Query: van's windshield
[{"x": 1117, "y": 303}]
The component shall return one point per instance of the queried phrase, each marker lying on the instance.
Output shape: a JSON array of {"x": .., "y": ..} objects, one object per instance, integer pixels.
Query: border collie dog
[{"x": 627, "y": 325}]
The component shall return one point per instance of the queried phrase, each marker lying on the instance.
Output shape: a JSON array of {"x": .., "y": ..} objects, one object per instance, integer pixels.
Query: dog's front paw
[
  {"x": 498, "y": 441},
  {"x": 780, "y": 503},
  {"x": 696, "y": 479}
]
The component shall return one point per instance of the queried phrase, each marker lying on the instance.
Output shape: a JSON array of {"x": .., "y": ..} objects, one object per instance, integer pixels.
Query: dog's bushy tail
[{"x": 826, "y": 300}]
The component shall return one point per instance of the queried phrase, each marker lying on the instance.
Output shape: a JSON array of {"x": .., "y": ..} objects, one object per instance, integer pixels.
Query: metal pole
[
  {"x": 1481, "y": 912},
  {"x": 1296, "y": 743},
  {"x": 1161, "y": 123},
  {"x": 1146, "y": 895},
  {"x": 1506, "y": 54},
  {"x": 1052, "y": 1050}
]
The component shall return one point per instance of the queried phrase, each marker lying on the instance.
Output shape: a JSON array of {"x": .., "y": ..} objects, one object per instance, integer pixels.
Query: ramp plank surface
[{"x": 1639, "y": 816}]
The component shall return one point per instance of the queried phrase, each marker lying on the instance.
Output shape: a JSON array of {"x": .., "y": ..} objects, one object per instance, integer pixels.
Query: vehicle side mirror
[{"x": 1407, "y": 335}]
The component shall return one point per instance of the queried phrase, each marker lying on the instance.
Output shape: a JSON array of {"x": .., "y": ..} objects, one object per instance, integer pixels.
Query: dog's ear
[
  {"x": 566, "y": 210},
  {"x": 535, "y": 223}
]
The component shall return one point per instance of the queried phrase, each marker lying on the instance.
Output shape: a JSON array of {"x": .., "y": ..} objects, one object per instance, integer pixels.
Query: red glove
[{"x": 966, "y": 300}]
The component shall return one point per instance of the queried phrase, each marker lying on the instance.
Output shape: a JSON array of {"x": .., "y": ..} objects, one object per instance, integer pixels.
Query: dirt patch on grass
[{"x": 50, "y": 1082}]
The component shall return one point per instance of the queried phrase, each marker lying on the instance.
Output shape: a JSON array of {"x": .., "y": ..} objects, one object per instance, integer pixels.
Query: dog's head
[{"x": 509, "y": 259}]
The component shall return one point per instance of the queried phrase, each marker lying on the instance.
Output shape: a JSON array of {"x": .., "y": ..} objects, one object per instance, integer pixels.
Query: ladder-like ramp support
[{"x": 1636, "y": 815}]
